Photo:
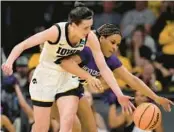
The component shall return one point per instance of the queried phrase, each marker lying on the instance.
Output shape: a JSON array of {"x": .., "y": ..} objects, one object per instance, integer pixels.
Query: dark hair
[
  {"x": 140, "y": 28},
  {"x": 79, "y": 13},
  {"x": 108, "y": 30}
]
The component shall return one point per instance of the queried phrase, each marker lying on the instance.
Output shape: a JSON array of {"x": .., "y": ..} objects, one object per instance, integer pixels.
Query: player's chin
[
  {"x": 83, "y": 35},
  {"x": 110, "y": 53}
]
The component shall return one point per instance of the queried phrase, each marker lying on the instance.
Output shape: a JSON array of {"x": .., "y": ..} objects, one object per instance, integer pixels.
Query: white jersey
[
  {"x": 53, "y": 53},
  {"x": 49, "y": 78},
  {"x": 136, "y": 129}
]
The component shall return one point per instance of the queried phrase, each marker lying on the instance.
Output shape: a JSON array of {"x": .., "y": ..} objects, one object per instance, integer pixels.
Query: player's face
[
  {"x": 140, "y": 98},
  {"x": 83, "y": 28},
  {"x": 110, "y": 44}
]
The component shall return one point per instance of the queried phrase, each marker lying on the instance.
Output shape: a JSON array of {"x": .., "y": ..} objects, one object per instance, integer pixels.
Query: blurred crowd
[{"x": 147, "y": 50}]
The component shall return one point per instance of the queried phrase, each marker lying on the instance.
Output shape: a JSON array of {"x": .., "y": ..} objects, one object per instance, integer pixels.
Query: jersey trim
[
  {"x": 66, "y": 34},
  {"x": 58, "y": 38}
]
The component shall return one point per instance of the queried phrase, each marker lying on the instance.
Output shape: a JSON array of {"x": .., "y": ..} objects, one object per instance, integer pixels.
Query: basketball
[{"x": 147, "y": 116}]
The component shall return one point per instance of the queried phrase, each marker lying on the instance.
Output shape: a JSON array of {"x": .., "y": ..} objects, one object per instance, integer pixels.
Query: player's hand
[
  {"x": 95, "y": 84},
  {"x": 164, "y": 102},
  {"x": 7, "y": 69},
  {"x": 127, "y": 106}
]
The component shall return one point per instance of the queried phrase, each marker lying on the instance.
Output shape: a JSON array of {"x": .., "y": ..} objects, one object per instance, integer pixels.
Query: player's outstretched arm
[
  {"x": 107, "y": 73},
  {"x": 139, "y": 85},
  {"x": 48, "y": 34},
  {"x": 71, "y": 65}
]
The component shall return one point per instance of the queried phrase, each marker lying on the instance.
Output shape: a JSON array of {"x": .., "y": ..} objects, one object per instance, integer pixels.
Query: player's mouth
[
  {"x": 85, "y": 35},
  {"x": 111, "y": 51}
]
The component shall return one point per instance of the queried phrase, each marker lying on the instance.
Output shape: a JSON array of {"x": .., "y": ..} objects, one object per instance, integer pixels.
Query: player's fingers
[
  {"x": 94, "y": 87},
  {"x": 132, "y": 106},
  {"x": 130, "y": 109},
  {"x": 130, "y": 97},
  {"x": 4, "y": 68},
  {"x": 92, "y": 83},
  {"x": 9, "y": 72},
  {"x": 165, "y": 109},
  {"x": 123, "y": 110},
  {"x": 127, "y": 110},
  {"x": 171, "y": 102},
  {"x": 169, "y": 108},
  {"x": 98, "y": 84}
]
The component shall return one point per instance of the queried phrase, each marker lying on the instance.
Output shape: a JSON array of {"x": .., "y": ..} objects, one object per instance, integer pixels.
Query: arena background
[{"x": 20, "y": 20}]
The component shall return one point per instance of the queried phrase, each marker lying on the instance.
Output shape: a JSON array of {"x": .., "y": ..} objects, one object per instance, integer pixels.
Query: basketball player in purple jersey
[{"x": 109, "y": 37}]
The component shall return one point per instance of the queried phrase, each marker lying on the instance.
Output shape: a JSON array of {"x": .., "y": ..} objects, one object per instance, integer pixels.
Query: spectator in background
[
  {"x": 166, "y": 39},
  {"x": 3, "y": 59},
  {"x": 162, "y": 32},
  {"x": 141, "y": 52},
  {"x": 108, "y": 15},
  {"x": 155, "y": 7},
  {"x": 6, "y": 124},
  {"x": 140, "y": 15},
  {"x": 164, "y": 75},
  {"x": 165, "y": 17},
  {"x": 117, "y": 119},
  {"x": 9, "y": 103},
  {"x": 148, "y": 76},
  {"x": 22, "y": 70},
  {"x": 21, "y": 74}
]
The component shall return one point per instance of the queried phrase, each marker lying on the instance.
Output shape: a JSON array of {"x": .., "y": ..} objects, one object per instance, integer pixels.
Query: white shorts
[{"x": 46, "y": 83}]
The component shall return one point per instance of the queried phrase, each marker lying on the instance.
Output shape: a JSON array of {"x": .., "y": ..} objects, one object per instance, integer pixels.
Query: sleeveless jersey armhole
[{"x": 58, "y": 37}]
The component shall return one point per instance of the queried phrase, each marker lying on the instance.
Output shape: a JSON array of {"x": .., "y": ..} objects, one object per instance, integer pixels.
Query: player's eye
[{"x": 113, "y": 42}]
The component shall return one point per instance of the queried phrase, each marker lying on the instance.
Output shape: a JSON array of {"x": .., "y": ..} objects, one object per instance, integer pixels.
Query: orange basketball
[{"x": 147, "y": 116}]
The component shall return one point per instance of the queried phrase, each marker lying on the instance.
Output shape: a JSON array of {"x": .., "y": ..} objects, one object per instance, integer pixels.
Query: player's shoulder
[{"x": 112, "y": 59}]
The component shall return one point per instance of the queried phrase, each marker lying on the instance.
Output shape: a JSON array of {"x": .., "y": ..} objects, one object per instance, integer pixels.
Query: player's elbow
[
  {"x": 67, "y": 64},
  {"x": 19, "y": 48},
  {"x": 64, "y": 63}
]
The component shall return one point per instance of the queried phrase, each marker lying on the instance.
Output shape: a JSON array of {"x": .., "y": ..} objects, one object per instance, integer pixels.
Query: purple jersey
[{"x": 88, "y": 62}]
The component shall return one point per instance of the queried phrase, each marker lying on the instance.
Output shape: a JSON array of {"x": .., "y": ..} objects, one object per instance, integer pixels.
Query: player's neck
[{"x": 74, "y": 39}]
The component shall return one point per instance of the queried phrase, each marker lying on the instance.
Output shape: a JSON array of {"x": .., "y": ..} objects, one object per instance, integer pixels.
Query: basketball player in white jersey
[{"x": 51, "y": 82}]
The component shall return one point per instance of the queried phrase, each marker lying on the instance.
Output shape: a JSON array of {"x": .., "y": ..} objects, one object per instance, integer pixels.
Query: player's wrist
[
  {"x": 119, "y": 94},
  {"x": 157, "y": 99},
  {"x": 9, "y": 63},
  {"x": 89, "y": 78}
]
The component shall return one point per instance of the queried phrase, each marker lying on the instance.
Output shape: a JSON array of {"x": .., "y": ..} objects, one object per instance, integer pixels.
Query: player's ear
[
  {"x": 73, "y": 25},
  {"x": 102, "y": 38}
]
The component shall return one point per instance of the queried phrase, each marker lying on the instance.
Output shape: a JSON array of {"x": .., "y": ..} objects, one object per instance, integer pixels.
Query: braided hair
[{"x": 108, "y": 30}]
